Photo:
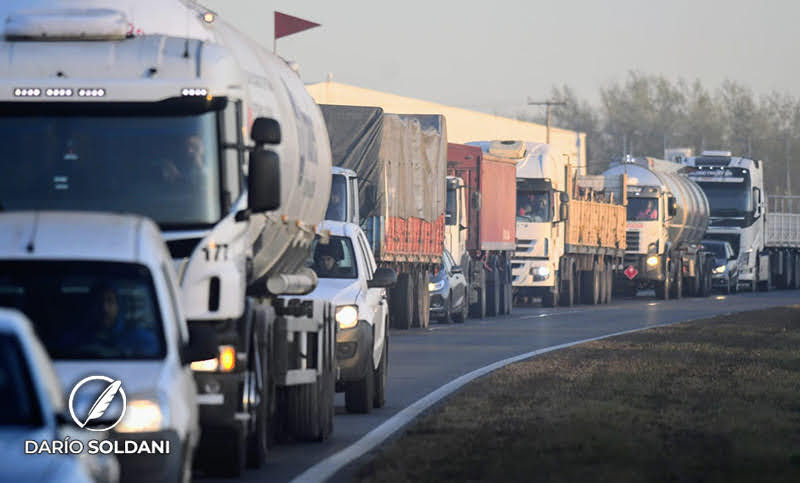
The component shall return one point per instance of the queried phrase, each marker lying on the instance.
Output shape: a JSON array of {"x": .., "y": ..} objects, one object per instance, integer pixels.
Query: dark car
[
  {"x": 726, "y": 267},
  {"x": 448, "y": 288}
]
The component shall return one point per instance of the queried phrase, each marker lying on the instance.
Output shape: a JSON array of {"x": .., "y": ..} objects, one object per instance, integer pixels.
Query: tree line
[{"x": 644, "y": 114}]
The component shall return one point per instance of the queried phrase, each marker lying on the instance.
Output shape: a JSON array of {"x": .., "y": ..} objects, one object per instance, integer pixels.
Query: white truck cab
[
  {"x": 349, "y": 277},
  {"x": 102, "y": 295}
]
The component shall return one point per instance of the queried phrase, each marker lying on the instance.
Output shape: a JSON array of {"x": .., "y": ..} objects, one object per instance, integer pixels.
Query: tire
[
  {"x": 402, "y": 303},
  {"x": 422, "y": 301},
  {"x": 567, "y": 298},
  {"x": 460, "y": 316},
  {"x": 448, "y": 315},
  {"x": 258, "y": 440},
  {"x": 359, "y": 396},
  {"x": 381, "y": 376},
  {"x": 493, "y": 305},
  {"x": 303, "y": 410},
  {"x": 228, "y": 458},
  {"x": 590, "y": 289},
  {"x": 602, "y": 292},
  {"x": 551, "y": 298},
  {"x": 609, "y": 285},
  {"x": 677, "y": 287},
  {"x": 509, "y": 298}
]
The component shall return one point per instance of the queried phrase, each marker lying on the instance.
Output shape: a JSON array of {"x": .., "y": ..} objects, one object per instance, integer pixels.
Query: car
[
  {"x": 33, "y": 409},
  {"x": 349, "y": 277},
  {"x": 448, "y": 289},
  {"x": 101, "y": 293},
  {"x": 725, "y": 275}
]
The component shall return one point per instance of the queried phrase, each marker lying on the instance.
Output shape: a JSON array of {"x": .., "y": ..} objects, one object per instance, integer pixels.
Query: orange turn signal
[{"x": 227, "y": 358}]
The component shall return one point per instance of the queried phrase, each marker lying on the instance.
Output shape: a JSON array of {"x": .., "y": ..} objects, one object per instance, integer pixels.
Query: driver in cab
[
  {"x": 327, "y": 258},
  {"x": 648, "y": 213}
]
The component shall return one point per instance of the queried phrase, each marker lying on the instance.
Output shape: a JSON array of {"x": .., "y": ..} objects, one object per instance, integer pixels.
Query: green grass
[{"x": 716, "y": 400}]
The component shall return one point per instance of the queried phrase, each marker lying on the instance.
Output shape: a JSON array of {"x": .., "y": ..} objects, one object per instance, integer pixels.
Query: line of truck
[{"x": 197, "y": 127}]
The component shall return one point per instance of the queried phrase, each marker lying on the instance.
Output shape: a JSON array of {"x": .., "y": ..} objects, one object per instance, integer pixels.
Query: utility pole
[{"x": 548, "y": 105}]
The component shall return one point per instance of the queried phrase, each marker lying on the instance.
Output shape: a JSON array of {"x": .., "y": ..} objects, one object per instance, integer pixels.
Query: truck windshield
[
  {"x": 533, "y": 206},
  {"x": 163, "y": 167},
  {"x": 86, "y": 310},
  {"x": 19, "y": 405},
  {"x": 728, "y": 199},
  {"x": 337, "y": 204},
  {"x": 334, "y": 260},
  {"x": 450, "y": 217},
  {"x": 642, "y": 209}
]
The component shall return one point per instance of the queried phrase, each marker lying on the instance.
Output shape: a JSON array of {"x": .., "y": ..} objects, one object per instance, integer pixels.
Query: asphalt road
[{"x": 422, "y": 360}]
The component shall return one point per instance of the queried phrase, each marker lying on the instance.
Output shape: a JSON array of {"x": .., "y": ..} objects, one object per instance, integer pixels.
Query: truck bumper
[
  {"x": 354, "y": 351},
  {"x": 533, "y": 274},
  {"x": 645, "y": 274}
]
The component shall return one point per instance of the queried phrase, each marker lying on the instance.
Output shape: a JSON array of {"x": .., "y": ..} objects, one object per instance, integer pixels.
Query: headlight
[
  {"x": 225, "y": 362},
  {"x": 542, "y": 271},
  {"x": 652, "y": 261},
  {"x": 720, "y": 269},
  {"x": 141, "y": 415},
  {"x": 434, "y": 286},
  {"x": 347, "y": 316}
]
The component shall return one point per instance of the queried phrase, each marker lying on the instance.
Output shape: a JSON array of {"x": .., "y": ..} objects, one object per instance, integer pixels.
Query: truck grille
[{"x": 632, "y": 240}]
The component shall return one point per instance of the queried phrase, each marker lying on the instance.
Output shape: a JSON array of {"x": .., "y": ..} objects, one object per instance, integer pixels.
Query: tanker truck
[
  {"x": 390, "y": 179},
  {"x": 666, "y": 222},
  {"x": 480, "y": 226},
  {"x": 570, "y": 230},
  {"x": 160, "y": 108}
]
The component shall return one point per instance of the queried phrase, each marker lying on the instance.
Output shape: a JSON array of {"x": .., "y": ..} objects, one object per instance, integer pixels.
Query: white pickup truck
[
  {"x": 101, "y": 293},
  {"x": 349, "y": 277}
]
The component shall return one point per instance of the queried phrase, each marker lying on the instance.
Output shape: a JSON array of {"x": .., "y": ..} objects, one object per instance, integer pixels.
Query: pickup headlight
[
  {"x": 141, "y": 415},
  {"x": 720, "y": 269},
  {"x": 652, "y": 261},
  {"x": 434, "y": 286},
  {"x": 347, "y": 316}
]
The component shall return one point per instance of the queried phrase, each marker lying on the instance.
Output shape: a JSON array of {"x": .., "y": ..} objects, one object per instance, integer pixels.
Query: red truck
[
  {"x": 389, "y": 177},
  {"x": 480, "y": 224}
]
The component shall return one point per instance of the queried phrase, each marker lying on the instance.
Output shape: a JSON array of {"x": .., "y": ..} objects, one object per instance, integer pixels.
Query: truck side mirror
[
  {"x": 564, "y": 197},
  {"x": 462, "y": 227},
  {"x": 265, "y": 130},
  {"x": 263, "y": 182},
  {"x": 475, "y": 200},
  {"x": 672, "y": 207},
  {"x": 563, "y": 211},
  {"x": 757, "y": 200}
]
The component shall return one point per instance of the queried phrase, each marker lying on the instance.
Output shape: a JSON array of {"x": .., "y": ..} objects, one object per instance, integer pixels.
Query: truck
[
  {"x": 390, "y": 179},
  {"x": 480, "y": 225},
  {"x": 667, "y": 218},
  {"x": 570, "y": 227},
  {"x": 765, "y": 242},
  {"x": 160, "y": 108}
]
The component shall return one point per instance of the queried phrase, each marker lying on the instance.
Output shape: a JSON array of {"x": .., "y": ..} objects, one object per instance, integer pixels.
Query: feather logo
[{"x": 101, "y": 404}]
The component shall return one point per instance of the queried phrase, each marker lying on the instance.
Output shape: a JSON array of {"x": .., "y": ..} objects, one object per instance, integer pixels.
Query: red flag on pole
[{"x": 288, "y": 25}]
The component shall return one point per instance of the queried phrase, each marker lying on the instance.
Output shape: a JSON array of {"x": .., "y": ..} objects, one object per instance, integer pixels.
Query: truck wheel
[
  {"x": 602, "y": 292},
  {"x": 422, "y": 302},
  {"x": 308, "y": 410},
  {"x": 677, "y": 287},
  {"x": 509, "y": 298},
  {"x": 258, "y": 439},
  {"x": 567, "y": 298},
  {"x": 494, "y": 298},
  {"x": 591, "y": 286},
  {"x": 609, "y": 281},
  {"x": 402, "y": 303},
  {"x": 796, "y": 284},
  {"x": 381, "y": 375},
  {"x": 228, "y": 459},
  {"x": 359, "y": 395}
]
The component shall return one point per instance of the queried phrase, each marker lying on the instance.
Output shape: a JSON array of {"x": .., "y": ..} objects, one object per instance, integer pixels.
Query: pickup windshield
[
  {"x": 334, "y": 260},
  {"x": 161, "y": 166},
  {"x": 533, "y": 206},
  {"x": 86, "y": 310}
]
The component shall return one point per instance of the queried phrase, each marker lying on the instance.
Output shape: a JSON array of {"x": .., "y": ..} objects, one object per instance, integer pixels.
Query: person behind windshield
[
  {"x": 326, "y": 260},
  {"x": 335, "y": 206},
  {"x": 111, "y": 329},
  {"x": 525, "y": 209},
  {"x": 189, "y": 167},
  {"x": 540, "y": 211},
  {"x": 648, "y": 213}
]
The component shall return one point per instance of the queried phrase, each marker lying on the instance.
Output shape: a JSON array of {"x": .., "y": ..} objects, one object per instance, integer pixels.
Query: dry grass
[{"x": 710, "y": 401}]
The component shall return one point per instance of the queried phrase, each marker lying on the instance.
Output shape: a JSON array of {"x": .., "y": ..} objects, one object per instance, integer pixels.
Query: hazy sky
[{"x": 492, "y": 55}]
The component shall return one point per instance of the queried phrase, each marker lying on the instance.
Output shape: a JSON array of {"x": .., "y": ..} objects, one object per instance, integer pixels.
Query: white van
[{"x": 101, "y": 293}]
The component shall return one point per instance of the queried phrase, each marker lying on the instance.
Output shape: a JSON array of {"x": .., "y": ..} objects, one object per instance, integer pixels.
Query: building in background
[{"x": 463, "y": 125}]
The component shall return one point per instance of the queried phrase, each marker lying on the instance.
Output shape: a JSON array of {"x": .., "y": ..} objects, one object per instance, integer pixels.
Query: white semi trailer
[
  {"x": 162, "y": 109},
  {"x": 763, "y": 237}
]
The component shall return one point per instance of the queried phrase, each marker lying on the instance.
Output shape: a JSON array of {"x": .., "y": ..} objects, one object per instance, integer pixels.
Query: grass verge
[{"x": 712, "y": 400}]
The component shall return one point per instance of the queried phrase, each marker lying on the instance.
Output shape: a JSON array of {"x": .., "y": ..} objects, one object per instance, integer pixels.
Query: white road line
[{"x": 332, "y": 464}]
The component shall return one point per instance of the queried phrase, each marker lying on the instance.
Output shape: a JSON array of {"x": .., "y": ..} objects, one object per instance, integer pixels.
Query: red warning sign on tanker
[{"x": 631, "y": 272}]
